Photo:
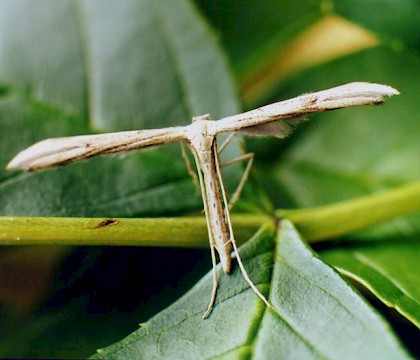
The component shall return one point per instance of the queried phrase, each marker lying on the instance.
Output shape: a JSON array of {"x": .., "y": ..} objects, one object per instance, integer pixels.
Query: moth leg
[
  {"x": 211, "y": 240},
  {"x": 235, "y": 196},
  {"x": 250, "y": 157},
  {"x": 190, "y": 168},
  {"x": 226, "y": 142},
  {"x": 215, "y": 283},
  {"x": 232, "y": 237},
  {"x": 246, "y": 276}
]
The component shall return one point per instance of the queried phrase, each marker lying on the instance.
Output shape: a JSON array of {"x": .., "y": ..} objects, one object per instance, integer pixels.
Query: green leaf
[
  {"x": 110, "y": 66},
  {"x": 315, "y": 313},
  {"x": 132, "y": 65},
  {"x": 389, "y": 270},
  {"x": 397, "y": 21}
]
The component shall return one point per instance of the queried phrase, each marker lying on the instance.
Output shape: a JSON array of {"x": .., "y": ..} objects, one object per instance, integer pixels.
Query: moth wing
[
  {"x": 279, "y": 129},
  {"x": 290, "y": 112},
  {"x": 60, "y": 151}
]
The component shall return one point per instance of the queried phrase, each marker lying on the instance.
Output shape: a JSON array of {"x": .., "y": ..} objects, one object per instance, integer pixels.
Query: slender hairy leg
[
  {"x": 232, "y": 238},
  {"x": 226, "y": 142},
  {"x": 250, "y": 157},
  {"x": 212, "y": 247},
  {"x": 215, "y": 283},
  {"x": 190, "y": 168}
]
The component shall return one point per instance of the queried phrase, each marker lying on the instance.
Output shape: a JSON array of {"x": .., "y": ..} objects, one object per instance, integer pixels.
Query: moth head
[{"x": 205, "y": 117}]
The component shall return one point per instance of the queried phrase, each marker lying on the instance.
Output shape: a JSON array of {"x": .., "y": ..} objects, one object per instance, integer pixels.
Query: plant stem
[
  {"x": 175, "y": 232},
  {"x": 315, "y": 224},
  {"x": 330, "y": 221}
]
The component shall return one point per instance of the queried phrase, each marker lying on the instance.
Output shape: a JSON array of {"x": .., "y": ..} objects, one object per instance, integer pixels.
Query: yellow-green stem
[
  {"x": 326, "y": 222},
  {"x": 315, "y": 224},
  {"x": 176, "y": 232}
]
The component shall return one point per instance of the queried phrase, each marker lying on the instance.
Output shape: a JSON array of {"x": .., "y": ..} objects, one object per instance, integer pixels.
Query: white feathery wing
[
  {"x": 265, "y": 120},
  {"x": 277, "y": 119},
  {"x": 59, "y": 151}
]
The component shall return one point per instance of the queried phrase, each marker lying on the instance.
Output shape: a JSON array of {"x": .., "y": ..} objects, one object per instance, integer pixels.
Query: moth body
[{"x": 202, "y": 141}]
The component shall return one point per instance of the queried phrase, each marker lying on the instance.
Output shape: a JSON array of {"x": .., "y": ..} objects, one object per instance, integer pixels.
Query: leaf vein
[{"x": 373, "y": 267}]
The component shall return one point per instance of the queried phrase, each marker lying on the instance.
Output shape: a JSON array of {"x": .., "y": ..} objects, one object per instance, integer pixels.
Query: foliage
[{"x": 80, "y": 67}]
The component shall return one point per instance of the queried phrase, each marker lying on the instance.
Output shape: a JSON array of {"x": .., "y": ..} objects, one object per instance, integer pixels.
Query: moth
[{"x": 277, "y": 119}]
